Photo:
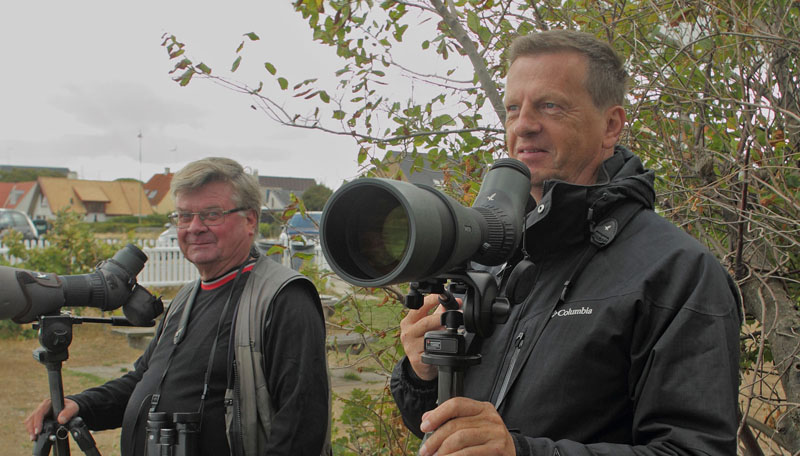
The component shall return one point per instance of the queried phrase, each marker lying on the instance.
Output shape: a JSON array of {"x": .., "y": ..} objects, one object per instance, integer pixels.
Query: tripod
[{"x": 55, "y": 335}]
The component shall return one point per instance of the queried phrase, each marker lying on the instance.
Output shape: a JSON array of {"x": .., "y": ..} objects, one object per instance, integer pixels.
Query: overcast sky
[{"x": 80, "y": 79}]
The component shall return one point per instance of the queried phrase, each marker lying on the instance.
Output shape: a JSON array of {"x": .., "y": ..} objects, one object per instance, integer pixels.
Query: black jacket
[{"x": 641, "y": 358}]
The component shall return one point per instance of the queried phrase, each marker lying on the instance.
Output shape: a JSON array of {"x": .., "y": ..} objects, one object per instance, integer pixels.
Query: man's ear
[
  {"x": 615, "y": 118},
  {"x": 252, "y": 220}
]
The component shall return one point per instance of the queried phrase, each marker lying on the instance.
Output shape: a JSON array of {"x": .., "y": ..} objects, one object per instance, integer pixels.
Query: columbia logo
[{"x": 570, "y": 312}]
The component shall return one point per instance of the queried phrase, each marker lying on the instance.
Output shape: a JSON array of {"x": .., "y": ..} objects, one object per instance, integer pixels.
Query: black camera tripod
[{"x": 55, "y": 335}]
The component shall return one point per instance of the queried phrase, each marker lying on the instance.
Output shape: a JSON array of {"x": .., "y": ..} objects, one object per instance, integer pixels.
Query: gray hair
[
  {"x": 246, "y": 192},
  {"x": 606, "y": 77}
]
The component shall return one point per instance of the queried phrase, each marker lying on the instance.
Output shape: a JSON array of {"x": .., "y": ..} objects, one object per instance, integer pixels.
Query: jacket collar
[{"x": 564, "y": 215}]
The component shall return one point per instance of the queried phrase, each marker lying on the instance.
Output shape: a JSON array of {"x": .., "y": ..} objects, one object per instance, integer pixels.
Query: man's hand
[
  {"x": 33, "y": 423},
  {"x": 412, "y": 335},
  {"x": 465, "y": 427}
]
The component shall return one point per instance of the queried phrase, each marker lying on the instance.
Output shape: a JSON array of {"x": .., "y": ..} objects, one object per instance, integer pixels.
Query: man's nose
[
  {"x": 528, "y": 122},
  {"x": 196, "y": 224}
]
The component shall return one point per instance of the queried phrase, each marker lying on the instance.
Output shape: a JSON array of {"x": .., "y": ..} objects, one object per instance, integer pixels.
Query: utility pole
[{"x": 141, "y": 184}]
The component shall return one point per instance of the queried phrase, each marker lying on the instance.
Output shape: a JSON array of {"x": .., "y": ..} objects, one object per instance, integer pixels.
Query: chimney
[{"x": 166, "y": 170}]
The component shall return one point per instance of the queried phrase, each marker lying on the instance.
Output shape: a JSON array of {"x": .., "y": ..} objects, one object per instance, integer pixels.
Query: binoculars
[{"x": 175, "y": 435}]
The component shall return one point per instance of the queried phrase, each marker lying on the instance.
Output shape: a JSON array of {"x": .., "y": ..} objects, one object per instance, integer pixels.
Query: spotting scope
[
  {"x": 26, "y": 295},
  {"x": 377, "y": 232}
]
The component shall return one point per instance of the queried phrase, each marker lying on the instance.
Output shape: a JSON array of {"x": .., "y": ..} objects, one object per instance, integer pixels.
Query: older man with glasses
[{"x": 240, "y": 355}]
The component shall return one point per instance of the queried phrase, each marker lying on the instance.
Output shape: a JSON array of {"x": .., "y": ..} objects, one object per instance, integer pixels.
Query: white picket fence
[{"x": 165, "y": 266}]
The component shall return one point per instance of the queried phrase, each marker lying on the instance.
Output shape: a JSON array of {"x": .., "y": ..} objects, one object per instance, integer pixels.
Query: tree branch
[{"x": 478, "y": 63}]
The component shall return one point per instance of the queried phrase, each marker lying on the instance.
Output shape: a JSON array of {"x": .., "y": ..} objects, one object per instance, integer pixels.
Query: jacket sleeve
[
  {"x": 412, "y": 395},
  {"x": 296, "y": 371},
  {"x": 685, "y": 394}
]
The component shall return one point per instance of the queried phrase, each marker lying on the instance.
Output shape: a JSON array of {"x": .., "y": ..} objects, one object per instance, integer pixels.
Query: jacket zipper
[
  {"x": 518, "y": 342},
  {"x": 237, "y": 414}
]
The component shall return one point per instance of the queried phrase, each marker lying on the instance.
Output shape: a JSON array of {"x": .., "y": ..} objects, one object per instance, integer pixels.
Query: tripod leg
[
  {"x": 56, "y": 386},
  {"x": 52, "y": 436},
  {"x": 83, "y": 437},
  {"x": 451, "y": 384},
  {"x": 45, "y": 439}
]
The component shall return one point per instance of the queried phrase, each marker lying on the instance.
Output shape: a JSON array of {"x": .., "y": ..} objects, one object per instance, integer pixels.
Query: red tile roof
[
  {"x": 158, "y": 187},
  {"x": 11, "y": 193}
]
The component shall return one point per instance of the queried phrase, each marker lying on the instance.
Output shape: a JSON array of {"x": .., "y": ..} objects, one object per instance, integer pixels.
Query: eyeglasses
[{"x": 208, "y": 217}]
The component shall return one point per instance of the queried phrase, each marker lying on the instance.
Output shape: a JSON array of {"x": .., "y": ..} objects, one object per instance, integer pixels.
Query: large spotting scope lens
[{"x": 377, "y": 232}]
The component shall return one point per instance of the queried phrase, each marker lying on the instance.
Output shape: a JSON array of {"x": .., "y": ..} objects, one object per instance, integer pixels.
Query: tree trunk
[{"x": 769, "y": 302}]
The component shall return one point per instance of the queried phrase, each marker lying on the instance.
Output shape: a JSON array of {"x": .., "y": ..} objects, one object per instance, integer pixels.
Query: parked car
[
  {"x": 42, "y": 226},
  {"x": 11, "y": 219},
  {"x": 304, "y": 225},
  {"x": 300, "y": 235}
]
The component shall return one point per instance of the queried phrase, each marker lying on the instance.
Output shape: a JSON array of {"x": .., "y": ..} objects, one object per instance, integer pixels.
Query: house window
[{"x": 14, "y": 196}]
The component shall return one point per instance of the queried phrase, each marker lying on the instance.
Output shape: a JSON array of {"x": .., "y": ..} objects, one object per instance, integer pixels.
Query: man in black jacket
[
  {"x": 190, "y": 364},
  {"x": 639, "y": 353}
]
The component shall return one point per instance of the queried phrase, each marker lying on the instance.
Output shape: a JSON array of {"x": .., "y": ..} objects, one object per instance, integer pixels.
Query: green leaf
[
  {"x": 271, "y": 68},
  {"x": 236, "y": 63},
  {"x": 339, "y": 114},
  {"x": 440, "y": 121},
  {"x": 473, "y": 22},
  {"x": 283, "y": 83},
  {"x": 399, "y": 31},
  {"x": 252, "y": 36},
  {"x": 323, "y": 95},
  {"x": 204, "y": 68},
  {"x": 184, "y": 79},
  {"x": 183, "y": 64},
  {"x": 484, "y": 34}
]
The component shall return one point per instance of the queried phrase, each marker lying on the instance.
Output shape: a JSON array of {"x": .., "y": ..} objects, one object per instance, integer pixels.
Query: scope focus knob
[
  {"x": 414, "y": 300},
  {"x": 501, "y": 308}
]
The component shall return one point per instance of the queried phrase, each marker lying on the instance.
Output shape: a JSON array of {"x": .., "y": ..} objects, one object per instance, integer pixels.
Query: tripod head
[
  {"x": 480, "y": 310},
  {"x": 482, "y": 306}
]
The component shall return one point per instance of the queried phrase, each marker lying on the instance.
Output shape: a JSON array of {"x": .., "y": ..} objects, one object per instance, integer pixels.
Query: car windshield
[{"x": 305, "y": 223}]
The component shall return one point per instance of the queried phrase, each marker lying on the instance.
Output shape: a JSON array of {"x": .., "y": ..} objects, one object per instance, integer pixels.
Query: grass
[{"x": 84, "y": 379}]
